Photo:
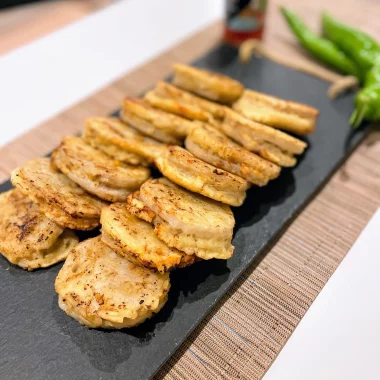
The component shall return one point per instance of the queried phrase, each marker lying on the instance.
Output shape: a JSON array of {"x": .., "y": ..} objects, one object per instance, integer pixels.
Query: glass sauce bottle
[{"x": 244, "y": 19}]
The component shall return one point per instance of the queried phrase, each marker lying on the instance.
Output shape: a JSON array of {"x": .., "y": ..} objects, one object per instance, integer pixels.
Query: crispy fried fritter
[
  {"x": 114, "y": 137},
  {"x": 29, "y": 239},
  {"x": 278, "y": 113},
  {"x": 172, "y": 99},
  {"x": 207, "y": 84},
  {"x": 212, "y": 146},
  {"x": 113, "y": 151},
  {"x": 282, "y": 140},
  {"x": 135, "y": 239},
  {"x": 266, "y": 150},
  {"x": 270, "y": 143},
  {"x": 59, "y": 198},
  {"x": 97, "y": 173},
  {"x": 184, "y": 220},
  {"x": 177, "y": 107},
  {"x": 181, "y": 167},
  {"x": 99, "y": 288},
  {"x": 156, "y": 123}
]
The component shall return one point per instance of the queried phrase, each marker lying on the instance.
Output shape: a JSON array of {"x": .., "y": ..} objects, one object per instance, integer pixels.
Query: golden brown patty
[
  {"x": 59, "y": 198},
  {"x": 278, "y": 113},
  {"x": 97, "y": 173},
  {"x": 135, "y": 239},
  {"x": 184, "y": 220},
  {"x": 172, "y": 99},
  {"x": 156, "y": 123},
  {"x": 29, "y": 239},
  {"x": 182, "y": 168},
  {"x": 269, "y": 143},
  {"x": 212, "y": 146},
  {"x": 210, "y": 85},
  {"x": 115, "y": 138},
  {"x": 99, "y": 288}
]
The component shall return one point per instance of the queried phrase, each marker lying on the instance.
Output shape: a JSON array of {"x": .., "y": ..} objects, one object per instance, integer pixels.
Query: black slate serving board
[{"x": 39, "y": 341}]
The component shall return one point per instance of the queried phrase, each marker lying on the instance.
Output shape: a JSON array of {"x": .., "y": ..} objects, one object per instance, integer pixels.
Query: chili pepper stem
[{"x": 358, "y": 115}]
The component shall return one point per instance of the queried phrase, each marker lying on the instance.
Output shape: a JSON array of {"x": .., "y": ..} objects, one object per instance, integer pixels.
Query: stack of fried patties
[{"x": 210, "y": 139}]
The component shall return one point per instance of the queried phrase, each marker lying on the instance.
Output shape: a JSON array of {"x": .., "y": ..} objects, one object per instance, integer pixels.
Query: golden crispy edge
[
  {"x": 46, "y": 257},
  {"x": 266, "y": 150},
  {"x": 193, "y": 245},
  {"x": 93, "y": 321},
  {"x": 212, "y": 158},
  {"x": 45, "y": 184},
  {"x": 167, "y": 122},
  {"x": 100, "y": 187},
  {"x": 278, "y": 113},
  {"x": 149, "y": 128},
  {"x": 265, "y": 133},
  {"x": 138, "y": 208},
  {"x": 147, "y": 150},
  {"x": 112, "y": 150},
  {"x": 168, "y": 90},
  {"x": 177, "y": 107},
  {"x": 279, "y": 104},
  {"x": 214, "y": 147}
]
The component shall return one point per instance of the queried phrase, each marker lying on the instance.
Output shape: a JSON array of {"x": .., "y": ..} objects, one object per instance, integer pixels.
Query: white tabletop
[{"x": 41, "y": 79}]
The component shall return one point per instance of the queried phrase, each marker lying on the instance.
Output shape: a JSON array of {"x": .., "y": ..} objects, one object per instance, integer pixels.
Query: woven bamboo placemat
[{"x": 246, "y": 331}]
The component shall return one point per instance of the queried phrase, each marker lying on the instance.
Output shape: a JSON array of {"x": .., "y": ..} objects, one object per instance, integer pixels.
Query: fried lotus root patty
[
  {"x": 269, "y": 143},
  {"x": 135, "y": 239},
  {"x": 210, "y": 85},
  {"x": 97, "y": 173},
  {"x": 174, "y": 100},
  {"x": 58, "y": 197},
  {"x": 27, "y": 237},
  {"x": 212, "y": 146},
  {"x": 121, "y": 141},
  {"x": 184, "y": 169},
  {"x": 184, "y": 220},
  {"x": 162, "y": 126},
  {"x": 278, "y": 113},
  {"x": 99, "y": 288}
]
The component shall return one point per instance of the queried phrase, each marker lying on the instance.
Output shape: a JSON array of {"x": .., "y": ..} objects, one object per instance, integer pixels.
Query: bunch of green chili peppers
[{"x": 349, "y": 51}]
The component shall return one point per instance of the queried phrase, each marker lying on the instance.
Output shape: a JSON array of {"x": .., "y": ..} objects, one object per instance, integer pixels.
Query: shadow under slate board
[{"x": 39, "y": 341}]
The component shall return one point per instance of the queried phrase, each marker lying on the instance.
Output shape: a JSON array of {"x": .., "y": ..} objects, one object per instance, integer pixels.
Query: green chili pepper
[
  {"x": 350, "y": 51},
  {"x": 365, "y": 52},
  {"x": 367, "y": 100},
  {"x": 321, "y": 48},
  {"x": 367, "y": 104},
  {"x": 360, "y": 47},
  {"x": 373, "y": 76}
]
